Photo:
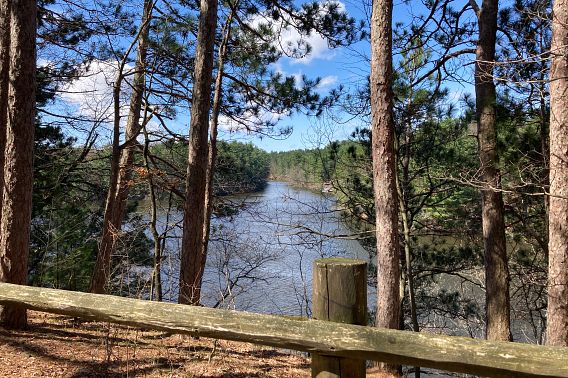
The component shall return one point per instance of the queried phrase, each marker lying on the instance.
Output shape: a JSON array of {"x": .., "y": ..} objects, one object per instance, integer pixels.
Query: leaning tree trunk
[
  {"x": 122, "y": 161},
  {"x": 192, "y": 259},
  {"x": 384, "y": 170},
  {"x": 18, "y": 164},
  {"x": 557, "y": 328},
  {"x": 496, "y": 269}
]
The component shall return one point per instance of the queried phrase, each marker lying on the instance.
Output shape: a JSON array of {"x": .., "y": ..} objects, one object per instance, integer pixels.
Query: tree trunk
[
  {"x": 544, "y": 149},
  {"x": 404, "y": 192},
  {"x": 494, "y": 242},
  {"x": 18, "y": 164},
  {"x": 192, "y": 259},
  {"x": 557, "y": 328},
  {"x": 156, "y": 279},
  {"x": 384, "y": 170},
  {"x": 122, "y": 161},
  {"x": 212, "y": 158},
  {"x": 4, "y": 68}
]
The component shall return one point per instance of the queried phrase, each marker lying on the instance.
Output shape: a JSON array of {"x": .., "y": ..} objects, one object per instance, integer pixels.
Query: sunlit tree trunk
[
  {"x": 192, "y": 258},
  {"x": 496, "y": 269},
  {"x": 384, "y": 170},
  {"x": 122, "y": 161},
  {"x": 18, "y": 155},
  {"x": 557, "y": 327},
  {"x": 212, "y": 158}
]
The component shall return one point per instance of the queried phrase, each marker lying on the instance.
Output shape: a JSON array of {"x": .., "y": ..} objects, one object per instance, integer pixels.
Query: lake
[{"x": 260, "y": 259}]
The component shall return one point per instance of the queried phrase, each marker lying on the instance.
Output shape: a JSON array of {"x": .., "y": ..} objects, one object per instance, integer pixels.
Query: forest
[{"x": 145, "y": 144}]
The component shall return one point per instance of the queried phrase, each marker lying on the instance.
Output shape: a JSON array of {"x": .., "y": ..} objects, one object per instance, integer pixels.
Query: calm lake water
[{"x": 260, "y": 259}]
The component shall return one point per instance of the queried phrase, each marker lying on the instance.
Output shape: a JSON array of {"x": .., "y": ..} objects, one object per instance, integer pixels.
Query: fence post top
[{"x": 339, "y": 261}]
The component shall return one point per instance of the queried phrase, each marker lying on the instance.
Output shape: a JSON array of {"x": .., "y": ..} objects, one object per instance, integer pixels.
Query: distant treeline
[
  {"x": 241, "y": 167},
  {"x": 310, "y": 168}
]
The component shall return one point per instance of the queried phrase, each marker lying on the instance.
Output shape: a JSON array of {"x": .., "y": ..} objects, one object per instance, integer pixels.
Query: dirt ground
[{"x": 60, "y": 346}]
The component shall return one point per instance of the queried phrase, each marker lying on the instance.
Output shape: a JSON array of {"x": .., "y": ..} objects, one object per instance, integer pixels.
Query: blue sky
[
  {"x": 334, "y": 67},
  {"x": 347, "y": 66}
]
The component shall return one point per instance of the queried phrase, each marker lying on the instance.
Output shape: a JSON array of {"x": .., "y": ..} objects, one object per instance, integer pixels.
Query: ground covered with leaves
[{"x": 60, "y": 346}]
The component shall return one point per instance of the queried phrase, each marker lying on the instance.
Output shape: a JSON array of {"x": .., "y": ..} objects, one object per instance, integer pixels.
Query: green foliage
[
  {"x": 241, "y": 168},
  {"x": 68, "y": 217},
  {"x": 64, "y": 246},
  {"x": 305, "y": 168}
]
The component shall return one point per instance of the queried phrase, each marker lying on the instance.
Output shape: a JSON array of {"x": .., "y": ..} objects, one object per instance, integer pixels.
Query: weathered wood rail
[{"x": 458, "y": 354}]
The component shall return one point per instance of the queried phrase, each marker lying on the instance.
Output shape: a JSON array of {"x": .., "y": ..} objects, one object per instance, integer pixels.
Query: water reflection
[{"x": 260, "y": 259}]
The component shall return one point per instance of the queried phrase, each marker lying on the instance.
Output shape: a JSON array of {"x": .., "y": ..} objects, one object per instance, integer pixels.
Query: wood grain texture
[
  {"x": 339, "y": 295},
  {"x": 458, "y": 354}
]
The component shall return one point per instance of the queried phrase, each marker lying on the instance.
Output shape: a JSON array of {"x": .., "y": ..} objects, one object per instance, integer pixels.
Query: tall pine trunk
[
  {"x": 557, "y": 327},
  {"x": 496, "y": 269},
  {"x": 18, "y": 155},
  {"x": 192, "y": 257},
  {"x": 384, "y": 169},
  {"x": 122, "y": 161},
  {"x": 4, "y": 68},
  {"x": 212, "y": 158}
]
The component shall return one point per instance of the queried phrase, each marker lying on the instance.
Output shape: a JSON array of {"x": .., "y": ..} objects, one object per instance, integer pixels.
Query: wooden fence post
[{"x": 339, "y": 295}]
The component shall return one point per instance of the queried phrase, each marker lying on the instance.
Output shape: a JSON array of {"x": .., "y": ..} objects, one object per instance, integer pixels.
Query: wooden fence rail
[{"x": 458, "y": 354}]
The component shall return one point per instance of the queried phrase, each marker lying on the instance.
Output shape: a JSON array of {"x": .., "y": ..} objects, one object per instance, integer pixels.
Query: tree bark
[
  {"x": 384, "y": 170},
  {"x": 496, "y": 267},
  {"x": 403, "y": 190},
  {"x": 557, "y": 327},
  {"x": 122, "y": 161},
  {"x": 18, "y": 155},
  {"x": 212, "y": 157},
  {"x": 4, "y": 68},
  {"x": 192, "y": 258}
]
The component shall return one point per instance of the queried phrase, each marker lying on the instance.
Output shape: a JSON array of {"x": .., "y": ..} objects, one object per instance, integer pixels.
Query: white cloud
[
  {"x": 44, "y": 62},
  {"x": 327, "y": 81},
  {"x": 92, "y": 93},
  {"x": 299, "y": 79},
  {"x": 250, "y": 122},
  {"x": 289, "y": 39},
  {"x": 278, "y": 68},
  {"x": 90, "y": 96}
]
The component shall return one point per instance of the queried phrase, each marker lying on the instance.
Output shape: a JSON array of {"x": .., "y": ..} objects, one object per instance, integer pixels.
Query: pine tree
[
  {"x": 192, "y": 260},
  {"x": 384, "y": 167},
  {"x": 557, "y": 327},
  {"x": 18, "y": 155}
]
